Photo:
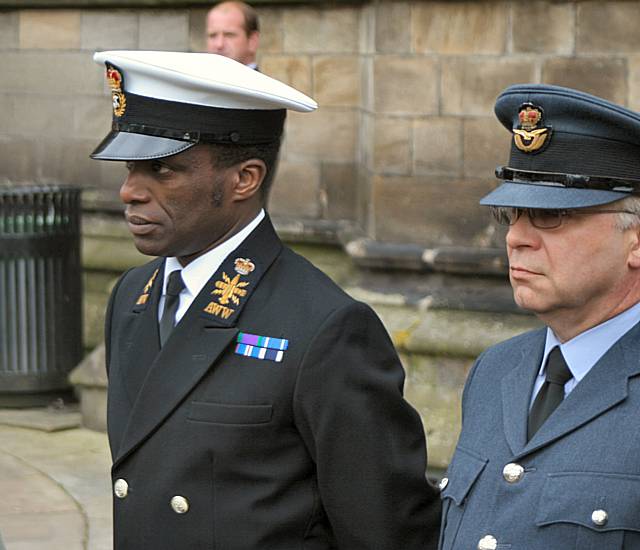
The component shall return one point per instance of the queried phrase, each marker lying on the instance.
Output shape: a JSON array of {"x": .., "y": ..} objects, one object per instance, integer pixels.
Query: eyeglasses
[{"x": 544, "y": 218}]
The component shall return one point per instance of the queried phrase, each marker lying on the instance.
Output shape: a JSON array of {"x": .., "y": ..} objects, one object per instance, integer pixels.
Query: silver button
[
  {"x": 599, "y": 517},
  {"x": 488, "y": 543},
  {"x": 443, "y": 483},
  {"x": 179, "y": 504},
  {"x": 513, "y": 473},
  {"x": 121, "y": 488}
]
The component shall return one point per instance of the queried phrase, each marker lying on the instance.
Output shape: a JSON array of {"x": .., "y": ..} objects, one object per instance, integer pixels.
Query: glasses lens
[
  {"x": 545, "y": 219},
  {"x": 504, "y": 216}
]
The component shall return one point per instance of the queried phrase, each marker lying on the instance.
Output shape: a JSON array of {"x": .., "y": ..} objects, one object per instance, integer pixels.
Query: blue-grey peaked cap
[{"x": 569, "y": 149}]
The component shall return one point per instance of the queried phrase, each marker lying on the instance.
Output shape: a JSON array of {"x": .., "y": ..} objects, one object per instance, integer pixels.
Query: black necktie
[
  {"x": 171, "y": 302},
  {"x": 551, "y": 393}
]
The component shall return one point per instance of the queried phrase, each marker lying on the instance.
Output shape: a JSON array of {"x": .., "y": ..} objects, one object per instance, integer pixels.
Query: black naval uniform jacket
[{"x": 216, "y": 450}]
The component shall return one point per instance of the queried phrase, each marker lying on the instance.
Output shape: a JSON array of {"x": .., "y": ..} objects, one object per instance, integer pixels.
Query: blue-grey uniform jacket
[{"x": 575, "y": 485}]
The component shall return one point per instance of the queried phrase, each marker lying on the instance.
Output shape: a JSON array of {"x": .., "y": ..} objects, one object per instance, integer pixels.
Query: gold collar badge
[
  {"x": 146, "y": 291},
  {"x": 244, "y": 266},
  {"x": 229, "y": 291},
  {"x": 528, "y": 138},
  {"x": 114, "y": 79}
]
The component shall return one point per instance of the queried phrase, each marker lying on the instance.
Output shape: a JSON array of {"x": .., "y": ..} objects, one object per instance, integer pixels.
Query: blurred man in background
[{"x": 233, "y": 31}]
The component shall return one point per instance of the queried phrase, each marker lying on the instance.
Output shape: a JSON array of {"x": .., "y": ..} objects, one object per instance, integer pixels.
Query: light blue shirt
[{"x": 582, "y": 352}]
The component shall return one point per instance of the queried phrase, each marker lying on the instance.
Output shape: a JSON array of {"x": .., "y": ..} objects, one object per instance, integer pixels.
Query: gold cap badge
[
  {"x": 528, "y": 138},
  {"x": 114, "y": 79}
]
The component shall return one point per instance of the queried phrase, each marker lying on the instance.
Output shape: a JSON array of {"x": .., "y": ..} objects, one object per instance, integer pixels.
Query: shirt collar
[
  {"x": 583, "y": 351},
  {"x": 196, "y": 274}
]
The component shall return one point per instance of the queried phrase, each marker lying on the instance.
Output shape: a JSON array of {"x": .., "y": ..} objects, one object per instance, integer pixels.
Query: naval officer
[
  {"x": 549, "y": 453},
  {"x": 252, "y": 404}
]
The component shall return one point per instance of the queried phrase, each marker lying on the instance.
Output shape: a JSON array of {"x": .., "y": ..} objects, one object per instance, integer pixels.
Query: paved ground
[{"x": 54, "y": 482}]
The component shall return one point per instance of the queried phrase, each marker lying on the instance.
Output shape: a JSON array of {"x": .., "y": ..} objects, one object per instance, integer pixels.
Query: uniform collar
[
  {"x": 583, "y": 351},
  {"x": 198, "y": 272}
]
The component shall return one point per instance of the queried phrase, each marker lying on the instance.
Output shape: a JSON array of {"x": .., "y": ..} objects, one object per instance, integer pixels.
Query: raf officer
[
  {"x": 549, "y": 454},
  {"x": 252, "y": 404}
]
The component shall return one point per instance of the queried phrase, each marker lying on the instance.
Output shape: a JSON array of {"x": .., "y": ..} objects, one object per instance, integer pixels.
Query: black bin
[{"x": 40, "y": 293}]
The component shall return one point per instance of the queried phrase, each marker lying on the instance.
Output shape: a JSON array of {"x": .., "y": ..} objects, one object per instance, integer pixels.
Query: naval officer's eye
[{"x": 159, "y": 168}]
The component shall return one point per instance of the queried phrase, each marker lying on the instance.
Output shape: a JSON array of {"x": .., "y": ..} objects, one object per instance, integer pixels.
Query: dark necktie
[
  {"x": 551, "y": 393},
  {"x": 175, "y": 284}
]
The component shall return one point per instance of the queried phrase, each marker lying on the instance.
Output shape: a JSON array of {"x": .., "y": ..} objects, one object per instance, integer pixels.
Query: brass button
[
  {"x": 599, "y": 517},
  {"x": 488, "y": 543},
  {"x": 443, "y": 483},
  {"x": 179, "y": 504},
  {"x": 513, "y": 473},
  {"x": 121, "y": 488}
]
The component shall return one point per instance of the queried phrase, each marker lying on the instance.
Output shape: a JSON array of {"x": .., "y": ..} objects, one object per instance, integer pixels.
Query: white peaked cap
[{"x": 166, "y": 102}]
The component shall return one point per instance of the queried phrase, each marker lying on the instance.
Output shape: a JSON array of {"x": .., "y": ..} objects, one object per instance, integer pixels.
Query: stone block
[
  {"x": 410, "y": 210},
  {"x": 111, "y": 255},
  {"x": 437, "y": 145},
  {"x": 321, "y": 30},
  {"x": 91, "y": 117},
  {"x": 434, "y": 387},
  {"x": 17, "y": 158},
  {"x": 295, "y": 191},
  {"x": 464, "y": 334},
  {"x": 458, "y": 28},
  {"x": 392, "y": 34},
  {"x": 405, "y": 85},
  {"x": 90, "y": 380},
  {"x": 94, "y": 306},
  {"x": 164, "y": 30},
  {"x": 9, "y": 30},
  {"x": 294, "y": 70},
  {"x": 109, "y": 30},
  {"x": 198, "y": 29},
  {"x": 634, "y": 82},
  {"x": 39, "y": 115},
  {"x": 337, "y": 81},
  {"x": 470, "y": 85},
  {"x": 339, "y": 188},
  {"x": 271, "y": 30},
  {"x": 608, "y": 27},
  {"x": 486, "y": 145},
  {"x": 604, "y": 77},
  {"x": 40, "y": 72},
  {"x": 392, "y": 146},
  {"x": 49, "y": 29},
  {"x": 546, "y": 27},
  {"x": 328, "y": 135}
]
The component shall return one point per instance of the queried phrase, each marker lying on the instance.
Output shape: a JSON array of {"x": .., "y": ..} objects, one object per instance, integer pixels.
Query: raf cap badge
[
  {"x": 528, "y": 137},
  {"x": 114, "y": 78}
]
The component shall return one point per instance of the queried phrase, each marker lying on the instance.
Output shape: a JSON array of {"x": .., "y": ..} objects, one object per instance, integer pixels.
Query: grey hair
[{"x": 626, "y": 221}]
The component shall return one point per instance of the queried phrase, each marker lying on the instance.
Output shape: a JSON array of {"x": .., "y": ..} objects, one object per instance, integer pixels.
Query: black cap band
[{"x": 198, "y": 124}]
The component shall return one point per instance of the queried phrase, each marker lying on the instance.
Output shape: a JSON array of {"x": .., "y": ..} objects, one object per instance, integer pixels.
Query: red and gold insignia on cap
[
  {"x": 114, "y": 79},
  {"x": 528, "y": 138},
  {"x": 244, "y": 266}
]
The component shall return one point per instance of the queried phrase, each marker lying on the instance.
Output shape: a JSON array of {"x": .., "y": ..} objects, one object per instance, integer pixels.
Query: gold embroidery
[
  {"x": 218, "y": 310},
  {"x": 142, "y": 299},
  {"x": 229, "y": 289}
]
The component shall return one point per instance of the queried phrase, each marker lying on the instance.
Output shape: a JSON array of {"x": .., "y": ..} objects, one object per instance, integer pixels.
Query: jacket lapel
[
  {"x": 203, "y": 334},
  {"x": 516, "y": 392},
  {"x": 602, "y": 388}
]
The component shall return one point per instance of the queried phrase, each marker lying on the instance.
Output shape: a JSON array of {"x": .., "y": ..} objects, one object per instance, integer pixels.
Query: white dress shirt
[{"x": 196, "y": 274}]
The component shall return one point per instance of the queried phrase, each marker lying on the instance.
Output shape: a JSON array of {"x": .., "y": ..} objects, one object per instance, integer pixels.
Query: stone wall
[
  {"x": 405, "y": 89},
  {"x": 386, "y": 174}
]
